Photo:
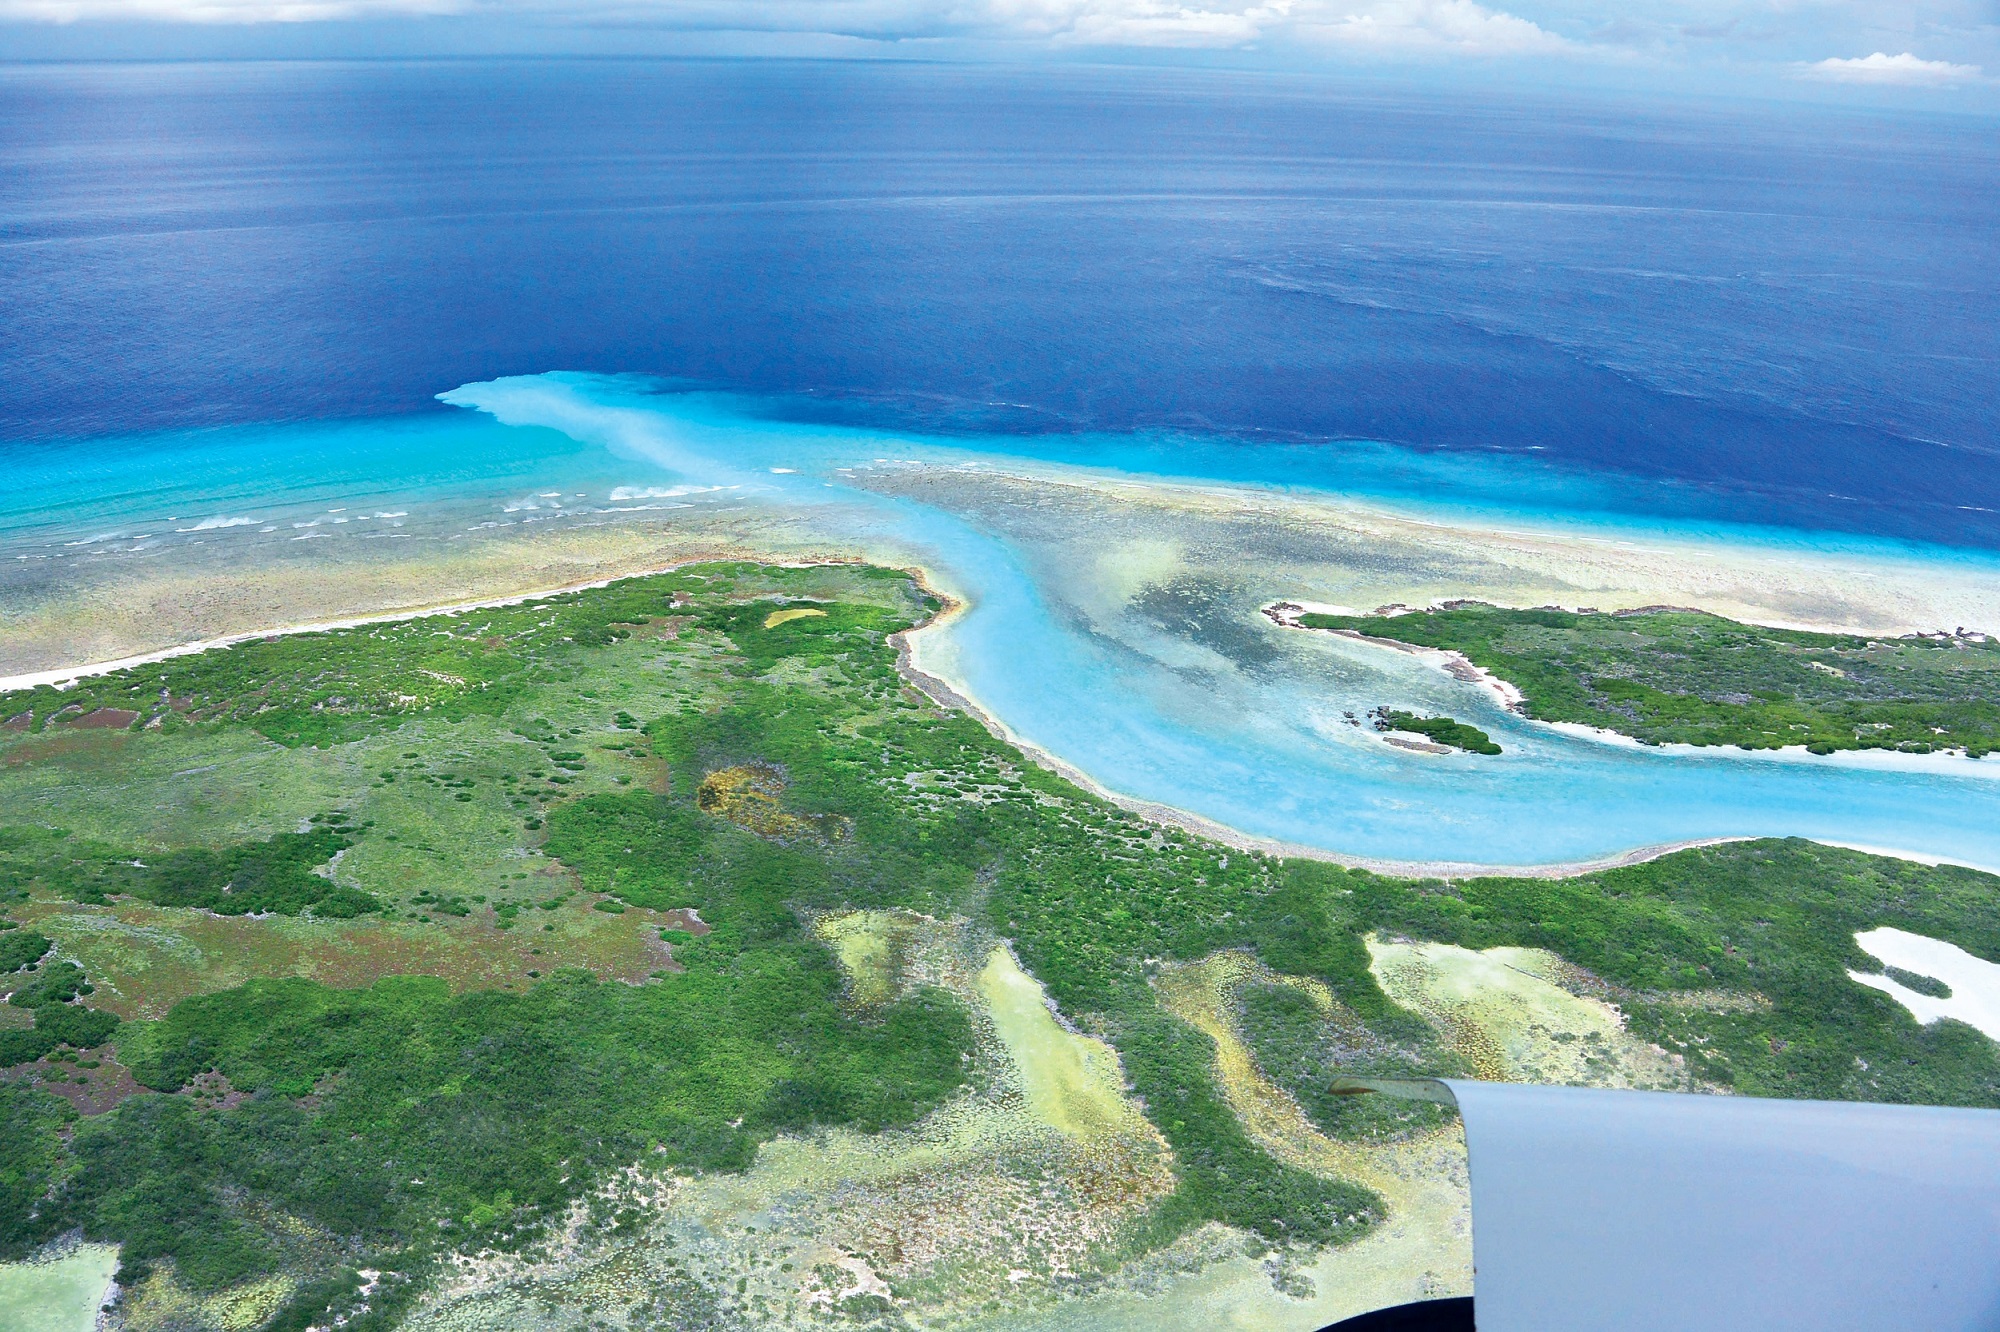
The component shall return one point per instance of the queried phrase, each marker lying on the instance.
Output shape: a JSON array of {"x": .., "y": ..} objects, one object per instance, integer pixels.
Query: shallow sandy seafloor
[
  {"x": 1179, "y": 572},
  {"x": 1170, "y": 567},
  {"x": 110, "y": 609}
]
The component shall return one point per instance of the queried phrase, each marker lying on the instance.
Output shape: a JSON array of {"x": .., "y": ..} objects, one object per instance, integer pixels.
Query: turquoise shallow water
[
  {"x": 1265, "y": 753},
  {"x": 1257, "y": 744}
]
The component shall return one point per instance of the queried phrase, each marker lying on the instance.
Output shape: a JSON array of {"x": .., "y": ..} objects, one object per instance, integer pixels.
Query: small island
[
  {"x": 1446, "y": 732},
  {"x": 1668, "y": 675}
]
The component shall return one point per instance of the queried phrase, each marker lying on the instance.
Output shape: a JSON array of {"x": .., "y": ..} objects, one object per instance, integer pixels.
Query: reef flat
[{"x": 655, "y": 955}]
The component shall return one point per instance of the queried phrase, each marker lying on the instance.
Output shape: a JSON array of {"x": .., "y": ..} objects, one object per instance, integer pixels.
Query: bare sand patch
[{"x": 1973, "y": 982}]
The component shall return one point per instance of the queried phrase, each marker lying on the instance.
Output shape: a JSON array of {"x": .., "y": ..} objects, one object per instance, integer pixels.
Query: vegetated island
[
  {"x": 1664, "y": 675},
  {"x": 1447, "y": 732},
  {"x": 339, "y": 960}
]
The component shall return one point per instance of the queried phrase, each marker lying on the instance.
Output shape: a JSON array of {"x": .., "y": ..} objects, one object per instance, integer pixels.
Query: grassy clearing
[{"x": 1685, "y": 677}]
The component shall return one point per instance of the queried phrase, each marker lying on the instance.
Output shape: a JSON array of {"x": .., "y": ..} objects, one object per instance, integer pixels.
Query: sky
[{"x": 1943, "y": 52}]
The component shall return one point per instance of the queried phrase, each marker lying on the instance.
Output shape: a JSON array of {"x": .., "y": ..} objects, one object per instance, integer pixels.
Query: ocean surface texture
[{"x": 234, "y": 294}]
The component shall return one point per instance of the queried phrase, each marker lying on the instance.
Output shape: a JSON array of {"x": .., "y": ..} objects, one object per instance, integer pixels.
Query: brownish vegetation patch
[
  {"x": 665, "y": 630},
  {"x": 214, "y": 1091},
  {"x": 684, "y": 918},
  {"x": 89, "y": 1091},
  {"x": 145, "y": 959},
  {"x": 108, "y": 718},
  {"x": 57, "y": 744},
  {"x": 749, "y": 796}
]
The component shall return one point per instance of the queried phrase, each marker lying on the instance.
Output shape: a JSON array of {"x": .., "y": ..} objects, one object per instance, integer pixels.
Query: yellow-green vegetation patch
[
  {"x": 1072, "y": 1082},
  {"x": 1422, "y": 1246},
  {"x": 1505, "y": 1012},
  {"x": 778, "y": 617},
  {"x": 163, "y": 1304},
  {"x": 751, "y": 795},
  {"x": 871, "y": 947}
]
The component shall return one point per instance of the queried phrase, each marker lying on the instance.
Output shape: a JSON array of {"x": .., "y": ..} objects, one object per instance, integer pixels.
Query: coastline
[
  {"x": 1775, "y": 578},
  {"x": 1947, "y": 762},
  {"x": 1110, "y": 541},
  {"x": 64, "y": 676},
  {"x": 941, "y": 692},
  {"x": 1455, "y": 664},
  {"x": 954, "y": 699}
]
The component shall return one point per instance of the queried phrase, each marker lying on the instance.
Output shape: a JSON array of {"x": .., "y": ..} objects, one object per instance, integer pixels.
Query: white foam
[
  {"x": 624, "y": 493},
  {"x": 219, "y": 521},
  {"x": 1974, "y": 982}
]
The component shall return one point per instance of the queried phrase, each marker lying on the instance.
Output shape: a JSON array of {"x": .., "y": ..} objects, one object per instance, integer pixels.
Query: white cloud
[
  {"x": 1453, "y": 25},
  {"x": 1462, "y": 26},
  {"x": 1141, "y": 24},
  {"x": 1761, "y": 39},
  {"x": 220, "y": 11},
  {"x": 1447, "y": 25},
  {"x": 1905, "y": 70}
]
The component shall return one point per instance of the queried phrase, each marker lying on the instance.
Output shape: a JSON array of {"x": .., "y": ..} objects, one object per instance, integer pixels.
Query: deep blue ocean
[
  {"x": 1795, "y": 310},
  {"x": 232, "y": 295}
]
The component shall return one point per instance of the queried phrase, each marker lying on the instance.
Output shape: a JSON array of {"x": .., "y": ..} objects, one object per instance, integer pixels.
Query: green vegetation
[
  {"x": 51, "y": 991},
  {"x": 1683, "y": 939},
  {"x": 32, "y": 1160},
  {"x": 1298, "y": 1046},
  {"x": 20, "y": 949},
  {"x": 653, "y": 746},
  {"x": 1910, "y": 980},
  {"x": 56, "y": 984},
  {"x": 1684, "y": 677},
  {"x": 275, "y": 875},
  {"x": 476, "y": 1118},
  {"x": 1439, "y": 730}
]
